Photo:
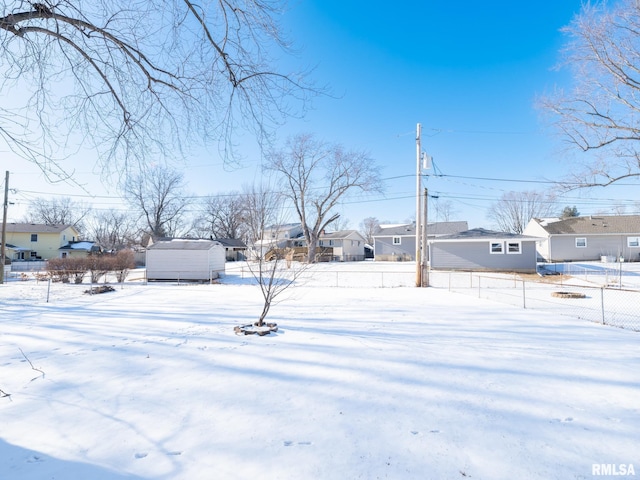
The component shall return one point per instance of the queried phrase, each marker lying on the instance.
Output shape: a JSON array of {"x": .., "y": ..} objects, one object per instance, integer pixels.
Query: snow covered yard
[{"x": 150, "y": 382}]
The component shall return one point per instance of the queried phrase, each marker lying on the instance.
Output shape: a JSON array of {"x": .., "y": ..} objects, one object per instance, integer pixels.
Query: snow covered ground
[{"x": 150, "y": 382}]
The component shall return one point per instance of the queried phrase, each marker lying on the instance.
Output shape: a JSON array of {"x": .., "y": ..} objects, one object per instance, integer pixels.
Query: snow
[{"x": 150, "y": 382}]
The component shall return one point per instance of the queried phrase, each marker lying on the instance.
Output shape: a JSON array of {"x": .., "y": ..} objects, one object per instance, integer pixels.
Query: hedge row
[{"x": 96, "y": 265}]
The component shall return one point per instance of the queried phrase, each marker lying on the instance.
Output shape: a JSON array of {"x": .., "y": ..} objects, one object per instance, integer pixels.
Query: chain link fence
[
  {"x": 606, "y": 304},
  {"x": 598, "y": 293}
]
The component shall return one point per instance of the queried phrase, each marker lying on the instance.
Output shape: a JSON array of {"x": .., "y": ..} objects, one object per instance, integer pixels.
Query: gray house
[
  {"x": 235, "y": 249},
  {"x": 398, "y": 242},
  {"x": 587, "y": 238},
  {"x": 483, "y": 250},
  {"x": 185, "y": 259}
]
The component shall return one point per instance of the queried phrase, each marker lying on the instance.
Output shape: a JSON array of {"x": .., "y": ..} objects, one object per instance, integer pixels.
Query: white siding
[{"x": 185, "y": 264}]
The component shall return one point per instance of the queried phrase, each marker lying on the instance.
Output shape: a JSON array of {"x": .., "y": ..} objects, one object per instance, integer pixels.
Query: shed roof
[
  {"x": 593, "y": 224},
  {"x": 184, "y": 244}
]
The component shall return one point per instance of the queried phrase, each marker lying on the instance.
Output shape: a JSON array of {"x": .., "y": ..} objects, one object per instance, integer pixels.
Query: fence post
[
  {"x": 524, "y": 295},
  {"x": 479, "y": 281},
  {"x": 602, "y": 304}
]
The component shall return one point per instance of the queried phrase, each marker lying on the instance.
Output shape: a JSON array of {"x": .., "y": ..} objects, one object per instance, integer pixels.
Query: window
[
  {"x": 496, "y": 247},
  {"x": 321, "y": 242},
  {"x": 633, "y": 242},
  {"x": 397, "y": 240},
  {"x": 514, "y": 247},
  {"x": 331, "y": 243},
  {"x": 581, "y": 242},
  {"x": 34, "y": 237}
]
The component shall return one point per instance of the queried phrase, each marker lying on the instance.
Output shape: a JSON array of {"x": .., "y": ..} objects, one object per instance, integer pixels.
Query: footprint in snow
[
  {"x": 141, "y": 455},
  {"x": 289, "y": 443},
  {"x": 565, "y": 420}
]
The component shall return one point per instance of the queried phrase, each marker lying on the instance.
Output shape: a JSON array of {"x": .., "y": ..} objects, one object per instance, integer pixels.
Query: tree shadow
[{"x": 24, "y": 463}]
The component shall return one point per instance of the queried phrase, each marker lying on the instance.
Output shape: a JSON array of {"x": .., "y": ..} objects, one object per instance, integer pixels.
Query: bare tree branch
[
  {"x": 600, "y": 115},
  {"x": 317, "y": 176},
  {"x": 141, "y": 80}
]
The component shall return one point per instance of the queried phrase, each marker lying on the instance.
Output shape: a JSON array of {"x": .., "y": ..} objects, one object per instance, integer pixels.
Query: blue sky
[{"x": 468, "y": 72}]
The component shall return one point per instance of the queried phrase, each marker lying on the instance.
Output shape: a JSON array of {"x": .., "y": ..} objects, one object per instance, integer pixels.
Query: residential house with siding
[
  {"x": 278, "y": 236},
  {"x": 483, "y": 250},
  {"x": 32, "y": 241},
  {"x": 235, "y": 249},
  {"x": 346, "y": 245},
  {"x": 398, "y": 242},
  {"x": 587, "y": 238}
]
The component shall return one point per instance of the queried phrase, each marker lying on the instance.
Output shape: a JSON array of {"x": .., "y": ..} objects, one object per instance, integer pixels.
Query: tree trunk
[
  {"x": 311, "y": 253},
  {"x": 263, "y": 315}
]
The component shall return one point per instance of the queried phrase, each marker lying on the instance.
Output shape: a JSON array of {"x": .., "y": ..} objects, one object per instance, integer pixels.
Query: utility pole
[
  {"x": 418, "y": 209},
  {"x": 425, "y": 242},
  {"x": 4, "y": 226}
]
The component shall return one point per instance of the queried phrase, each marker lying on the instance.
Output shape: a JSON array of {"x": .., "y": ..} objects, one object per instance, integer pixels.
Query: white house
[
  {"x": 278, "y": 236},
  {"x": 185, "y": 259}
]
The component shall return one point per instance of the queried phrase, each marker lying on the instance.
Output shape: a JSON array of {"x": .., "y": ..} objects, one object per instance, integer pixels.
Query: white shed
[{"x": 179, "y": 259}]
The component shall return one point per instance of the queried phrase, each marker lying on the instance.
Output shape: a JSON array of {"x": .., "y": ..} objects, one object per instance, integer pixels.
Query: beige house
[
  {"x": 32, "y": 241},
  {"x": 347, "y": 245}
]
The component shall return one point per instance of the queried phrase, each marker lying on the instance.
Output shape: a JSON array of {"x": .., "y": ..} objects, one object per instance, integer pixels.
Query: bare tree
[
  {"x": 158, "y": 195},
  {"x": 369, "y": 227},
  {"x": 261, "y": 207},
  {"x": 113, "y": 230},
  {"x": 58, "y": 211},
  {"x": 599, "y": 114},
  {"x": 222, "y": 216},
  {"x": 443, "y": 210},
  {"x": 514, "y": 210},
  {"x": 274, "y": 270},
  {"x": 132, "y": 80},
  {"x": 316, "y": 176}
]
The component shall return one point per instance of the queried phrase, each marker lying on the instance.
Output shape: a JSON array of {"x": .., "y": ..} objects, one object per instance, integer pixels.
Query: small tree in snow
[{"x": 274, "y": 269}]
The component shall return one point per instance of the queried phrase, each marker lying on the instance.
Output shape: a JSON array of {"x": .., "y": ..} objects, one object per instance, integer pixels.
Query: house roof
[
  {"x": 477, "y": 234},
  {"x": 340, "y": 234},
  {"x": 184, "y": 244},
  {"x": 396, "y": 230},
  {"x": 435, "y": 228},
  {"x": 446, "y": 228},
  {"x": 88, "y": 246},
  {"x": 593, "y": 224},
  {"x": 16, "y": 248},
  {"x": 36, "y": 228},
  {"x": 231, "y": 242},
  {"x": 284, "y": 226}
]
